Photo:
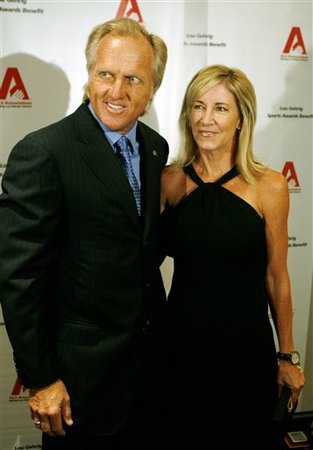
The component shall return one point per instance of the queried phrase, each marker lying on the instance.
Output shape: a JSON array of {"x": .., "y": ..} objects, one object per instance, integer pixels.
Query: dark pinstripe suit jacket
[{"x": 78, "y": 268}]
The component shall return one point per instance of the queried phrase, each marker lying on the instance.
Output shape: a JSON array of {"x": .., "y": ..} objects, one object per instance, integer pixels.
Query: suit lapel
[
  {"x": 101, "y": 159},
  {"x": 150, "y": 178}
]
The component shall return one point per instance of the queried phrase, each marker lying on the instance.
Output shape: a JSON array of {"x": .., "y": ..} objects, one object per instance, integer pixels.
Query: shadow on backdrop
[{"x": 33, "y": 93}]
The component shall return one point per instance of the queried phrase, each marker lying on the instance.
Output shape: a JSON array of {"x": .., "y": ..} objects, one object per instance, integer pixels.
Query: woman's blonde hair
[
  {"x": 127, "y": 27},
  {"x": 241, "y": 87}
]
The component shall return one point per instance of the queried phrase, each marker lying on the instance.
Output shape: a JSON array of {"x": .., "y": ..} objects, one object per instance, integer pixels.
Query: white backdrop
[{"x": 42, "y": 72}]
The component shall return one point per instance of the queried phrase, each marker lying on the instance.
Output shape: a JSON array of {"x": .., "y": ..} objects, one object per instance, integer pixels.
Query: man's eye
[
  {"x": 133, "y": 80},
  {"x": 104, "y": 74}
]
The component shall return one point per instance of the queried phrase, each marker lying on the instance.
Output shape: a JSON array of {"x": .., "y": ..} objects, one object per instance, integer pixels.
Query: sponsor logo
[
  {"x": 14, "y": 6},
  {"x": 130, "y": 9},
  {"x": 293, "y": 242},
  {"x": 19, "y": 393},
  {"x": 13, "y": 92},
  {"x": 294, "y": 48},
  {"x": 291, "y": 176}
]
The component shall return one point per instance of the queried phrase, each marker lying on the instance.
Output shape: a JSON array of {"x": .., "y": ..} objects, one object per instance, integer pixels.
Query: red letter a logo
[
  {"x": 125, "y": 11},
  {"x": 18, "y": 388},
  {"x": 289, "y": 173},
  {"x": 13, "y": 85},
  {"x": 295, "y": 40}
]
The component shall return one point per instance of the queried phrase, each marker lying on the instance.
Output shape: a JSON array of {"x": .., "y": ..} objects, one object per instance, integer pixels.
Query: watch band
[{"x": 291, "y": 357}]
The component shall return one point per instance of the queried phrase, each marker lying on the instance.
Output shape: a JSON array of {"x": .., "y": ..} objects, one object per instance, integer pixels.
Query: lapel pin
[{"x": 154, "y": 153}]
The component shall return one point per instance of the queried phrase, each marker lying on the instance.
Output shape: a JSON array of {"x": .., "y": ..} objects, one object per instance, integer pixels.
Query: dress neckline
[{"x": 190, "y": 171}]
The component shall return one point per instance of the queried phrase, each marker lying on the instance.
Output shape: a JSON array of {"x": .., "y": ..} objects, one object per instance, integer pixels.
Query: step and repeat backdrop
[{"x": 42, "y": 73}]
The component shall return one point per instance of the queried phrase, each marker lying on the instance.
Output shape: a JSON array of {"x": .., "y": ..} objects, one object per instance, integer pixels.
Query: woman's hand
[{"x": 291, "y": 376}]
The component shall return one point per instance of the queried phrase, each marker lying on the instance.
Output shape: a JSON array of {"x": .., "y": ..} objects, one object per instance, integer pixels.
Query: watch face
[{"x": 295, "y": 358}]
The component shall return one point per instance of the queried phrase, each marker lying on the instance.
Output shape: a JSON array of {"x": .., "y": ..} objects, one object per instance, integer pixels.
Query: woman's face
[{"x": 215, "y": 119}]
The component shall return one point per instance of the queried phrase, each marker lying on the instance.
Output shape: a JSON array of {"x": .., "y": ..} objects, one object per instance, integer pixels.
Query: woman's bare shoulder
[
  {"x": 273, "y": 194},
  {"x": 172, "y": 173},
  {"x": 272, "y": 181},
  {"x": 173, "y": 183}
]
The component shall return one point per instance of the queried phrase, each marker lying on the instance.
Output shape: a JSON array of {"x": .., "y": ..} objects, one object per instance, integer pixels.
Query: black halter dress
[{"x": 222, "y": 353}]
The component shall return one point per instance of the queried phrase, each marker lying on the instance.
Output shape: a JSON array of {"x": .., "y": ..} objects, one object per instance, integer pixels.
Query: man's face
[{"x": 120, "y": 81}]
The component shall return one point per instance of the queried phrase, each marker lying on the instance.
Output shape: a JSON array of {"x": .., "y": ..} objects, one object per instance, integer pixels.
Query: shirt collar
[{"x": 113, "y": 136}]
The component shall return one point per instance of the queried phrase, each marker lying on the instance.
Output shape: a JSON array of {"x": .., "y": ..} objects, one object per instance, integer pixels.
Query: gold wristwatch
[{"x": 292, "y": 357}]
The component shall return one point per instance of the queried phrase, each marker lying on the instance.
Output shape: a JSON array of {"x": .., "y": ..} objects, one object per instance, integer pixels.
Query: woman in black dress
[{"x": 226, "y": 216}]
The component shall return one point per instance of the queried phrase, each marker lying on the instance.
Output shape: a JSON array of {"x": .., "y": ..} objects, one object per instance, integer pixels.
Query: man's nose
[{"x": 117, "y": 89}]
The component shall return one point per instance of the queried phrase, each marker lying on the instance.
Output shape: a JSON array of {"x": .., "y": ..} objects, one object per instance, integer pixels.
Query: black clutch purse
[{"x": 283, "y": 413}]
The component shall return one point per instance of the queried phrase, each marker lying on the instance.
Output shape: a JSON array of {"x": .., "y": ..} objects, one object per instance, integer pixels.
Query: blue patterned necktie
[{"x": 123, "y": 150}]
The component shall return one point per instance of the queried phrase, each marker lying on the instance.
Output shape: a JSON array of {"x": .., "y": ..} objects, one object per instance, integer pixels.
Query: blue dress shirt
[{"x": 113, "y": 137}]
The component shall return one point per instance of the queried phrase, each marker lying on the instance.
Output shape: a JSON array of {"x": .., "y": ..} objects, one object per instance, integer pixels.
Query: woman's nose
[{"x": 208, "y": 116}]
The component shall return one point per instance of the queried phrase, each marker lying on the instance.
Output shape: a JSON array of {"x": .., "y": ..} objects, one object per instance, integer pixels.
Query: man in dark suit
[{"x": 80, "y": 286}]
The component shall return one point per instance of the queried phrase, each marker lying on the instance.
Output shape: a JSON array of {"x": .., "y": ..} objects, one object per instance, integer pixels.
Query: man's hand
[{"x": 50, "y": 408}]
